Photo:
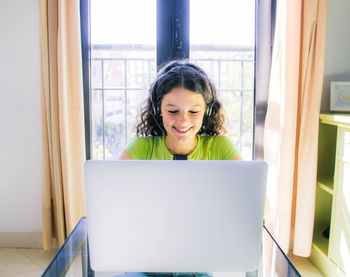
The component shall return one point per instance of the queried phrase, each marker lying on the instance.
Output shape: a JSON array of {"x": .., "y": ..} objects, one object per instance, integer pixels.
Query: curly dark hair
[{"x": 180, "y": 74}]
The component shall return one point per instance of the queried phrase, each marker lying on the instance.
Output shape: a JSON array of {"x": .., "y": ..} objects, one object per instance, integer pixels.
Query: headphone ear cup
[
  {"x": 208, "y": 110},
  {"x": 211, "y": 104}
]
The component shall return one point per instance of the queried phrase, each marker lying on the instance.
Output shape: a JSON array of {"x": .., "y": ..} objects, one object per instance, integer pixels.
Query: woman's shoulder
[
  {"x": 215, "y": 139},
  {"x": 146, "y": 148},
  {"x": 219, "y": 147},
  {"x": 143, "y": 144},
  {"x": 144, "y": 141}
]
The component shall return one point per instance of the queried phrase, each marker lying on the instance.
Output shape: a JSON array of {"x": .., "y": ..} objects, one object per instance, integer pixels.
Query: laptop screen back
[{"x": 175, "y": 216}]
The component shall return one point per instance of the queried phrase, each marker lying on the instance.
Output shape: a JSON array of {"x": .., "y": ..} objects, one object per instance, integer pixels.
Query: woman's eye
[{"x": 176, "y": 111}]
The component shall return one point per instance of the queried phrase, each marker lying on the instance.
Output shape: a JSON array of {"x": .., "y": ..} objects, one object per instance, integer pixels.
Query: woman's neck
[{"x": 181, "y": 148}]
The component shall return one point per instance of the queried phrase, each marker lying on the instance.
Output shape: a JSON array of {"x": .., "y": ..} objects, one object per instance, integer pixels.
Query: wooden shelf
[
  {"x": 320, "y": 242},
  {"x": 326, "y": 183},
  {"x": 336, "y": 119},
  {"x": 331, "y": 255}
]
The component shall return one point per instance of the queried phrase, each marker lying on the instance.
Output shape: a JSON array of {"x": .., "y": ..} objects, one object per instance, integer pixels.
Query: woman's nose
[{"x": 182, "y": 117}]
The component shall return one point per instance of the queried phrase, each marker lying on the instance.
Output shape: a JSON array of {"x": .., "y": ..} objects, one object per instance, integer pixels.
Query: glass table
[{"x": 72, "y": 259}]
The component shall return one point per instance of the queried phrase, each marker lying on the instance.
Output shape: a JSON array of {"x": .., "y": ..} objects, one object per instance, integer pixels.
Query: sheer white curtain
[{"x": 291, "y": 125}]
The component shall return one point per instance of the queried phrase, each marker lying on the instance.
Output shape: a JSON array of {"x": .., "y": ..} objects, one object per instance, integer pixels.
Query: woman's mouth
[{"x": 182, "y": 130}]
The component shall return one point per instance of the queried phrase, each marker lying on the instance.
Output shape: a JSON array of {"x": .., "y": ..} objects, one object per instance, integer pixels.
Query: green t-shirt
[{"x": 208, "y": 148}]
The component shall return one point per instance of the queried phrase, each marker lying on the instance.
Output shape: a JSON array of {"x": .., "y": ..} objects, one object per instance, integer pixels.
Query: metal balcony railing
[{"x": 120, "y": 79}]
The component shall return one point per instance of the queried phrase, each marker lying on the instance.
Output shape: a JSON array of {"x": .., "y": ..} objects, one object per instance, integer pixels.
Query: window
[
  {"x": 123, "y": 47},
  {"x": 129, "y": 39},
  {"x": 222, "y": 42}
]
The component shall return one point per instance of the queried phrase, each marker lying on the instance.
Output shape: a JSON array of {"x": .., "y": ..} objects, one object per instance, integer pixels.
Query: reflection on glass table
[{"x": 72, "y": 259}]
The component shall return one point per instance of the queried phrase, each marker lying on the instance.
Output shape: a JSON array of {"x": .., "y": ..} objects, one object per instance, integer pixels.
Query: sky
[{"x": 218, "y": 22}]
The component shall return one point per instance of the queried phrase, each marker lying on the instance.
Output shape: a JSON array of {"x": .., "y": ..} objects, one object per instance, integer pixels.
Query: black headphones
[
  {"x": 211, "y": 104},
  {"x": 156, "y": 108}
]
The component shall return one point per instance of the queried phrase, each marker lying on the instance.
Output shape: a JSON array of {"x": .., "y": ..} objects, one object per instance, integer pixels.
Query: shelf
[
  {"x": 324, "y": 264},
  {"x": 321, "y": 242},
  {"x": 329, "y": 254},
  {"x": 326, "y": 150},
  {"x": 336, "y": 119},
  {"x": 326, "y": 183}
]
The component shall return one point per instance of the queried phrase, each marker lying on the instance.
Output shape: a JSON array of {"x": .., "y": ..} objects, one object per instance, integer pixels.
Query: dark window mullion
[
  {"x": 86, "y": 52},
  {"x": 172, "y": 30},
  {"x": 182, "y": 29},
  {"x": 265, "y": 17}
]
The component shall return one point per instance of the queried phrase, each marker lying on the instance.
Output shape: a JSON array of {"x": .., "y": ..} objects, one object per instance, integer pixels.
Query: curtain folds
[
  {"x": 62, "y": 121},
  {"x": 291, "y": 125}
]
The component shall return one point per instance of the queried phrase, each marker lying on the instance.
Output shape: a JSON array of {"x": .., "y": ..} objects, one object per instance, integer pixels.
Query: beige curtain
[
  {"x": 291, "y": 125},
  {"x": 62, "y": 119}
]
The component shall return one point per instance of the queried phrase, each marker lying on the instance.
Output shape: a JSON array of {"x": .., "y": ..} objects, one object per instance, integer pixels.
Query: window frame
[
  {"x": 173, "y": 34},
  {"x": 85, "y": 31},
  {"x": 173, "y": 42}
]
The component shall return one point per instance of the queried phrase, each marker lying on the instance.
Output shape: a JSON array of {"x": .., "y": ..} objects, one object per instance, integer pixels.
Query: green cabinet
[{"x": 331, "y": 239}]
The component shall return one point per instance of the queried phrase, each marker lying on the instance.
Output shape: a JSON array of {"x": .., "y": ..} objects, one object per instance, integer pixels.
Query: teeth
[{"x": 182, "y": 130}]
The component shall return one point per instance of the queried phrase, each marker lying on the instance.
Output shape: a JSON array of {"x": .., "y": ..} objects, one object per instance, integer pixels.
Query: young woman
[{"x": 182, "y": 119}]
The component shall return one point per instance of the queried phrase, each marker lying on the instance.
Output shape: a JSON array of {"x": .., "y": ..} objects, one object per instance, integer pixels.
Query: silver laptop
[{"x": 175, "y": 216}]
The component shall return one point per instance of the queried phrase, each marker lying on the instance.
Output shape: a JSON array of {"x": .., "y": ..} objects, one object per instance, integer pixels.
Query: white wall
[
  {"x": 20, "y": 139},
  {"x": 337, "y": 61}
]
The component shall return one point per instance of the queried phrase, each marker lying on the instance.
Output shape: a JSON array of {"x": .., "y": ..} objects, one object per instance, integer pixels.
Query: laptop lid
[{"x": 175, "y": 216}]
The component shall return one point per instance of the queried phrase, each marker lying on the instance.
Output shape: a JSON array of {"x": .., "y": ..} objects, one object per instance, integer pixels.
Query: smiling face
[{"x": 182, "y": 112}]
